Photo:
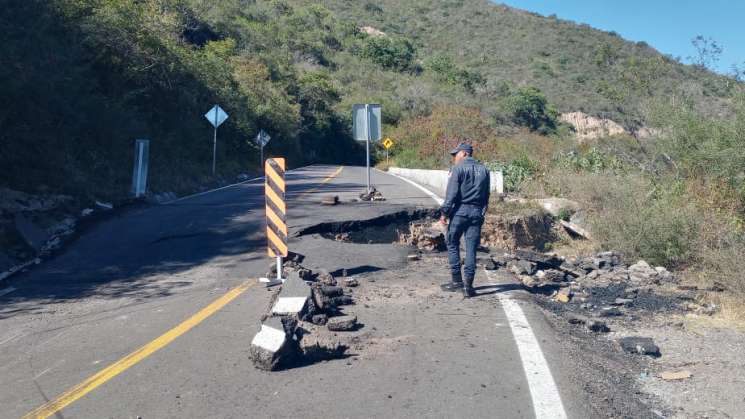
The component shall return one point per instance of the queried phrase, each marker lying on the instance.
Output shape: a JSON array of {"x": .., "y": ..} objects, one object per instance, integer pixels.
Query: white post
[
  {"x": 214, "y": 144},
  {"x": 367, "y": 130},
  {"x": 279, "y": 269}
]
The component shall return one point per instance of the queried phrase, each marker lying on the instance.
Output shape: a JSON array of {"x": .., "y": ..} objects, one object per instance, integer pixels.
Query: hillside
[{"x": 578, "y": 68}]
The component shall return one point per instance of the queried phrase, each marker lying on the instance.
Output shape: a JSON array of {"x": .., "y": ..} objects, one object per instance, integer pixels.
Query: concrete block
[
  {"x": 272, "y": 345},
  {"x": 293, "y": 297}
]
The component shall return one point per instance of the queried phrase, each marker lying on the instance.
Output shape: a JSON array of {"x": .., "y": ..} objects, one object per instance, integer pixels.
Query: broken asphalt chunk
[
  {"x": 639, "y": 345},
  {"x": 344, "y": 323}
]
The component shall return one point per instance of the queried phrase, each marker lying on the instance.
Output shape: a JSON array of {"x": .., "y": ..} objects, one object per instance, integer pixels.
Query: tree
[
  {"x": 529, "y": 107},
  {"x": 708, "y": 52},
  {"x": 389, "y": 52}
]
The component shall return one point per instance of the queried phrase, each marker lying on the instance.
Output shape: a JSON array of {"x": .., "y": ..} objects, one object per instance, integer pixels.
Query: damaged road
[{"x": 398, "y": 348}]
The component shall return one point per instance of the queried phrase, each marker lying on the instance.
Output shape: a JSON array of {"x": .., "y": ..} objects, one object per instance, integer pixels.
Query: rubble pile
[
  {"x": 373, "y": 195},
  {"x": 425, "y": 235},
  {"x": 306, "y": 321},
  {"x": 594, "y": 292}
]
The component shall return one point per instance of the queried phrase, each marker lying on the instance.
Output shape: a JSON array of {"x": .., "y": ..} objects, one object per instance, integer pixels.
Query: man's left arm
[{"x": 488, "y": 192}]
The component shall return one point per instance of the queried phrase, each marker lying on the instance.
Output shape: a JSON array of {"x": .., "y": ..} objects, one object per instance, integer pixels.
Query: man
[{"x": 465, "y": 205}]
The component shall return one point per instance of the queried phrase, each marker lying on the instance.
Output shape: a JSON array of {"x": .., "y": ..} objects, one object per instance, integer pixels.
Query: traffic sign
[
  {"x": 366, "y": 119},
  {"x": 366, "y": 125},
  {"x": 216, "y": 116},
  {"x": 388, "y": 143},
  {"x": 262, "y": 138}
]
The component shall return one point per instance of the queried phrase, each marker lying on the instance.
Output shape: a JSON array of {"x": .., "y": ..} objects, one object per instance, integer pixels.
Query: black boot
[
  {"x": 451, "y": 286},
  {"x": 468, "y": 290},
  {"x": 454, "y": 285}
]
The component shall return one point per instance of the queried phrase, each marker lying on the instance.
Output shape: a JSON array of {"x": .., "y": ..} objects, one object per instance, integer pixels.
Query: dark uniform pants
[{"x": 470, "y": 229}]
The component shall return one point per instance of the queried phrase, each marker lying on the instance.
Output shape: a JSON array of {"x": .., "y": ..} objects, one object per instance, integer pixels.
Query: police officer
[{"x": 465, "y": 205}]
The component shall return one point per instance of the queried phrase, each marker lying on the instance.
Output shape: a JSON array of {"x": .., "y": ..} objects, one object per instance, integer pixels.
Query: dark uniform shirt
[{"x": 468, "y": 190}]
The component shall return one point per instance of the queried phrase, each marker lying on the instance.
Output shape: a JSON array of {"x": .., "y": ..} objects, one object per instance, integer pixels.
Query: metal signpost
[
  {"x": 262, "y": 139},
  {"x": 216, "y": 116},
  {"x": 366, "y": 126},
  {"x": 139, "y": 175}
]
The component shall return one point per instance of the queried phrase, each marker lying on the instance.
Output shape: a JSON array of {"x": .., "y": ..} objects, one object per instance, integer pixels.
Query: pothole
[{"x": 386, "y": 229}]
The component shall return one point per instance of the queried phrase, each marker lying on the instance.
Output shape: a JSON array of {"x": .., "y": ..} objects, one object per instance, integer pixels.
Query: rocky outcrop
[{"x": 589, "y": 127}]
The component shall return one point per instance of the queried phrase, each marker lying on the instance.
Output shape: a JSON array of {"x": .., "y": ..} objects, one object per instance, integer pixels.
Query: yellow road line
[
  {"x": 328, "y": 178},
  {"x": 106, "y": 374}
]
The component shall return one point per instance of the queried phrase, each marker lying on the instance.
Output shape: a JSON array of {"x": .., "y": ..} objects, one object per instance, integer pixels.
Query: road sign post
[
  {"x": 216, "y": 116},
  {"x": 262, "y": 139},
  {"x": 276, "y": 213},
  {"x": 366, "y": 127},
  {"x": 139, "y": 176}
]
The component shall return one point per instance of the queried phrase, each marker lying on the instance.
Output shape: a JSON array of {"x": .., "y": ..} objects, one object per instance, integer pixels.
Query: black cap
[{"x": 462, "y": 147}]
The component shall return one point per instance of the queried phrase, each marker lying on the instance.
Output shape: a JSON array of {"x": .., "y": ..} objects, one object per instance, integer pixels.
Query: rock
[
  {"x": 317, "y": 344},
  {"x": 272, "y": 346},
  {"x": 541, "y": 260},
  {"x": 330, "y": 200},
  {"x": 319, "y": 319},
  {"x": 86, "y": 212},
  {"x": 342, "y": 300},
  {"x": 575, "y": 230},
  {"x": 351, "y": 282},
  {"x": 639, "y": 345},
  {"x": 373, "y": 195},
  {"x": 597, "y": 326},
  {"x": 675, "y": 375},
  {"x": 522, "y": 267},
  {"x": 489, "y": 265},
  {"x": 623, "y": 302},
  {"x": 294, "y": 257},
  {"x": 325, "y": 278},
  {"x": 564, "y": 295},
  {"x": 501, "y": 260},
  {"x": 413, "y": 257},
  {"x": 574, "y": 318},
  {"x": 641, "y": 272},
  {"x": 558, "y": 206},
  {"x": 427, "y": 236},
  {"x": 331, "y": 291},
  {"x": 610, "y": 312},
  {"x": 554, "y": 275},
  {"x": 344, "y": 323}
]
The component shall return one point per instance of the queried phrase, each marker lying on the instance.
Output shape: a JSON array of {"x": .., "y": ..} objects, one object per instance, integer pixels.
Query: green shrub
[
  {"x": 515, "y": 172},
  {"x": 529, "y": 107},
  {"x": 388, "y": 51},
  {"x": 592, "y": 160},
  {"x": 446, "y": 71}
]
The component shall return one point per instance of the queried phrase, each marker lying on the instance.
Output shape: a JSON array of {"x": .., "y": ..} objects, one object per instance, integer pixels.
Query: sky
[{"x": 666, "y": 25}]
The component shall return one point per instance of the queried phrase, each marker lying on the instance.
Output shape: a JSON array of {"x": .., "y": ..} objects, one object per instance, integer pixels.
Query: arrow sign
[
  {"x": 216, "y": 116},
  {"x": 387, "y": 143},
  {"x": 263, "y": 138}
]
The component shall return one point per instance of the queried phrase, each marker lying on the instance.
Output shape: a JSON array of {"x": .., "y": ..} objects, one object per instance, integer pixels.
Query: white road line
[
  {"x": 225, "y": 187},
  {"x": 5, "y": 291},
  {"x": 543, "y": 391},
  {"x": 211, "y": 190},
  {"x": 418, "y": 186}
]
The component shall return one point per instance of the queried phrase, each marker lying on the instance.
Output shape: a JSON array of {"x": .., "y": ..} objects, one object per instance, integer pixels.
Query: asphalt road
[{"x": 133, "y": 278}]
